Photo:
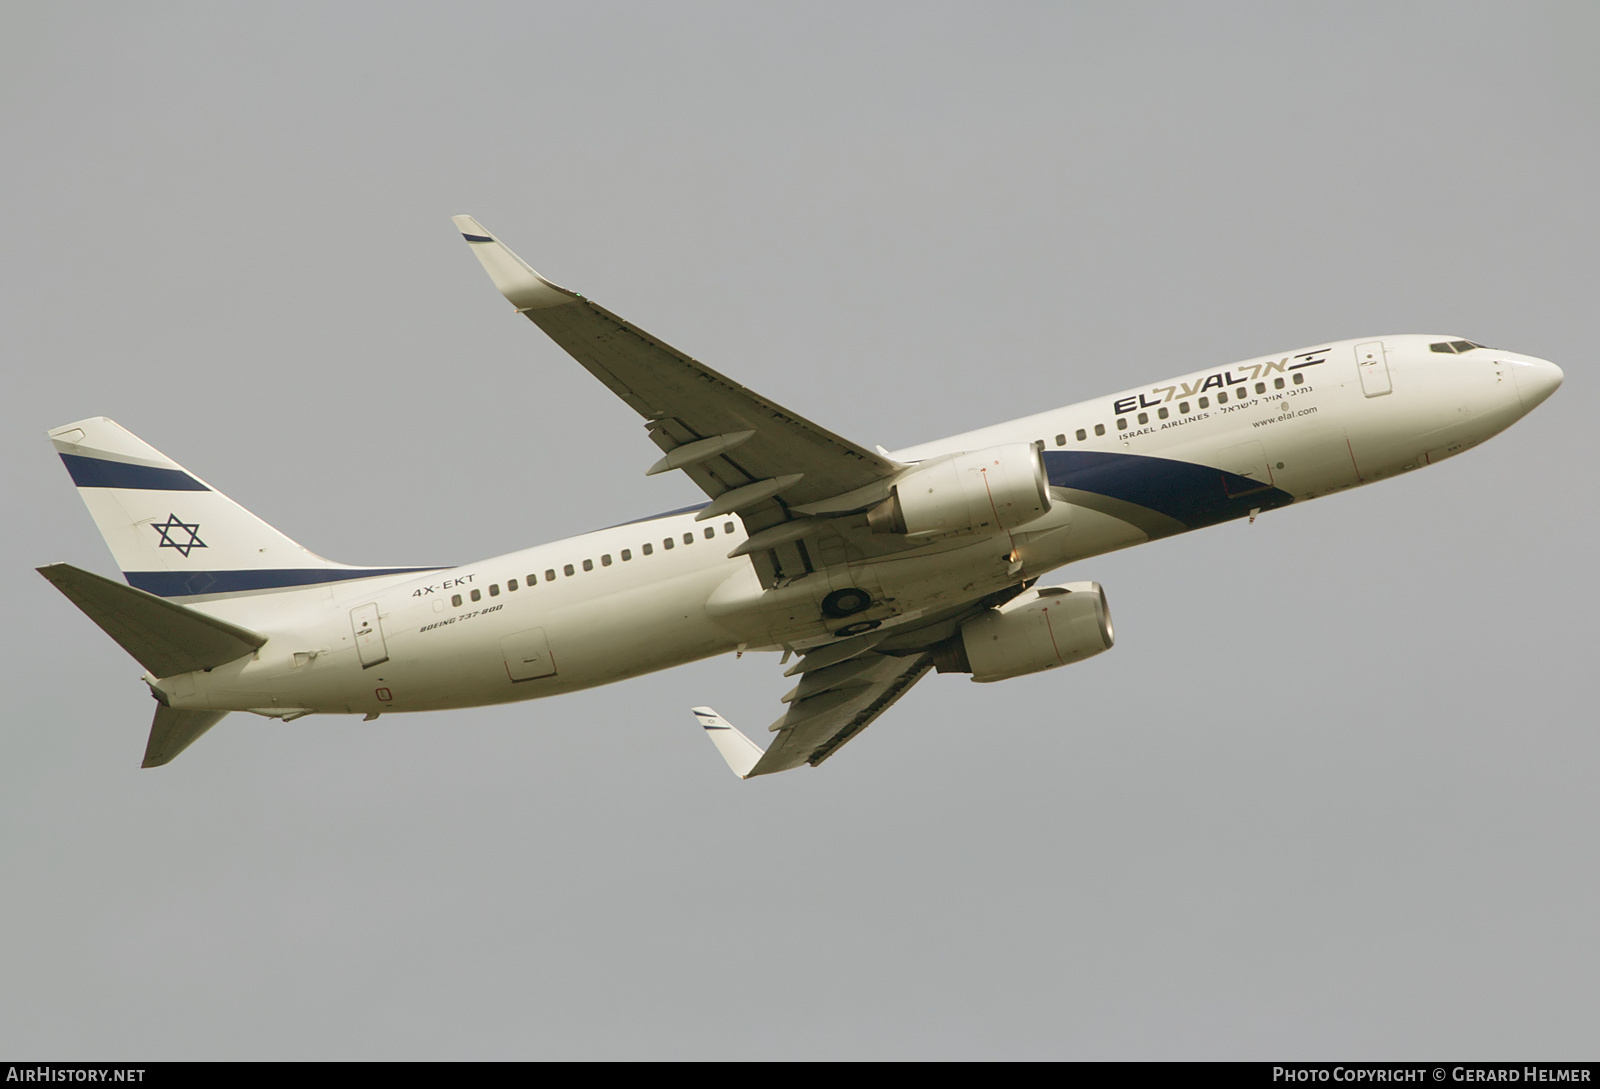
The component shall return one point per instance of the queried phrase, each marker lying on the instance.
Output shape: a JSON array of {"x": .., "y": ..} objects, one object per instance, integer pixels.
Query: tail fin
[{"x": 171, "y": 533}]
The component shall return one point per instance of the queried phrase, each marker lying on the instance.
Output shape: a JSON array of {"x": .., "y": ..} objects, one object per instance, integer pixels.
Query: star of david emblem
[{"x": 171, "y": 535}]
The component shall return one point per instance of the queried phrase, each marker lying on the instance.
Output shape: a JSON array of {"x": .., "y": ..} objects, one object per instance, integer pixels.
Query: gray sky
[{"x": 1332, "y": 794}]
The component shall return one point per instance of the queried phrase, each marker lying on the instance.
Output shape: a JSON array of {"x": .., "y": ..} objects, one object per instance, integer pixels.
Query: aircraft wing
[
  {"x": 844, "y": 686},
  {"x": 830, "y": 705},
  {"x": 750, "y": 456}
]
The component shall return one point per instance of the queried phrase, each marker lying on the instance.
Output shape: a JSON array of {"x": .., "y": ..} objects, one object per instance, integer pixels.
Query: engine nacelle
[
  {"x": 1039, "y": 629},
  {"x": 980, "y": 491}
]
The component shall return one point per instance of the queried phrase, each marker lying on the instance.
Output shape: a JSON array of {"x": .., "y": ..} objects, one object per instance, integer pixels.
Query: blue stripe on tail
[{"x": 98, "y": 473}]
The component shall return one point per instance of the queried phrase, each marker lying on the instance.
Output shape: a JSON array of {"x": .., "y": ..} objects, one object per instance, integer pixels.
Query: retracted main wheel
[{"x": 846, "y": 602}]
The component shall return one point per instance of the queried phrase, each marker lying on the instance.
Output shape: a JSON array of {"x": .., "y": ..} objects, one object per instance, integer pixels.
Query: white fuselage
[{"x": 1193, "y": 451}]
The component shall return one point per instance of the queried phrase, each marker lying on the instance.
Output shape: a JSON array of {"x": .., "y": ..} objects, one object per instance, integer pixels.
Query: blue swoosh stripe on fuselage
[
  {"x": 1196, "y": 495},
  {"x": 187, "y": 583},
  {"x": 90, "y": 472}
]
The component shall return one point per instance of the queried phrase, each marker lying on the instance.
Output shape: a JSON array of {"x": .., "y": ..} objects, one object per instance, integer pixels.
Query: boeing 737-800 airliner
[{"x": 868, "y": 568}]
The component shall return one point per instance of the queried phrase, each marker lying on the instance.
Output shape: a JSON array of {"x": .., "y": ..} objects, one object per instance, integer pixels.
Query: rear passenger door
[{"x": 368, "y": 628}]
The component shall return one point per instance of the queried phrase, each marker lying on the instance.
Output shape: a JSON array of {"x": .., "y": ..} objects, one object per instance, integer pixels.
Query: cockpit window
[{"x": 1454, "y": 346}]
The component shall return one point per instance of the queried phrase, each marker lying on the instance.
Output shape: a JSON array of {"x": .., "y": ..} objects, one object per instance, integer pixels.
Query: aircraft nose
[{"x": 1536, "y": 380}]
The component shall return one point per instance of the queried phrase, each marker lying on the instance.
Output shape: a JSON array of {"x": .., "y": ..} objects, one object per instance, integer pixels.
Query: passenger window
[
  {"x": 647, "y": 548},
  {"x": 1183, "y": 408},
  {"x": 1163, "y": 412},
  {"x": 1261, "y": 387},
  {"x": 567, "y": 570},
  {"x": 1222, "y": 398},
  {"x": 550, "y": 575},
  {"x": 1144, "y": 417},
  {"x": 494, "y": 589},
  {"x": 1061, "y": 440},
  {"x": 727, "y": 527},
  {"x": 688, "y": 538},
  {"x": 666, "y": 542},
  {"x": 1082, "y": 434},
  {"x": 477, "y": 595},
  {"x": 588, "y": 565},
  {"x": 627, "y": 555},
  {"x": 1277, "y": 383},
  {"x": 1299, "y": 377},
  {"x": 455, "y": 599},
  {"x": 1122, "y": 424},
  {"x": 710, "y": 533},
  {"x": 1205, "y": 402},
  {"x": 605, "y": 561},
  {"x": 1099, "y": 429},
  {"x": 511, "y": 585}
]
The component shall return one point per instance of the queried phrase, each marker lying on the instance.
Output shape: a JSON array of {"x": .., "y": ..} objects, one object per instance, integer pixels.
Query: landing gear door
[
  {"x": 368, "y": 628},
  {"x": 527, "y": 655},
  {"x": 1373, "y": 368}
]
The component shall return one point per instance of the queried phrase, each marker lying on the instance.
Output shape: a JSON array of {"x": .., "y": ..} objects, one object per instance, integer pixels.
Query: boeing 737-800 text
[{"x": 869, "y": 568}]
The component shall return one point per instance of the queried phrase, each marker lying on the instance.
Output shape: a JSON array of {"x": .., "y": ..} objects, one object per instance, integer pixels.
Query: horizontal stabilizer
[
  {"x": 738, "y": 750},
  {"x": 173, "y": 731},
  {"x": 163, "y": 636}
]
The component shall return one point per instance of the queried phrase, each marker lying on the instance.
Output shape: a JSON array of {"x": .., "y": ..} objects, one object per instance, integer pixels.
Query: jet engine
[
  {"x": 979, "y": 491},
  {"x": 1039, "y": 629}
]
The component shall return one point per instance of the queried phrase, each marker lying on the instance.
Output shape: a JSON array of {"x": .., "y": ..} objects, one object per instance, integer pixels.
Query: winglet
[
  {"x": 738, "y": 750},
  {"x": 524, "y": 288}
]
